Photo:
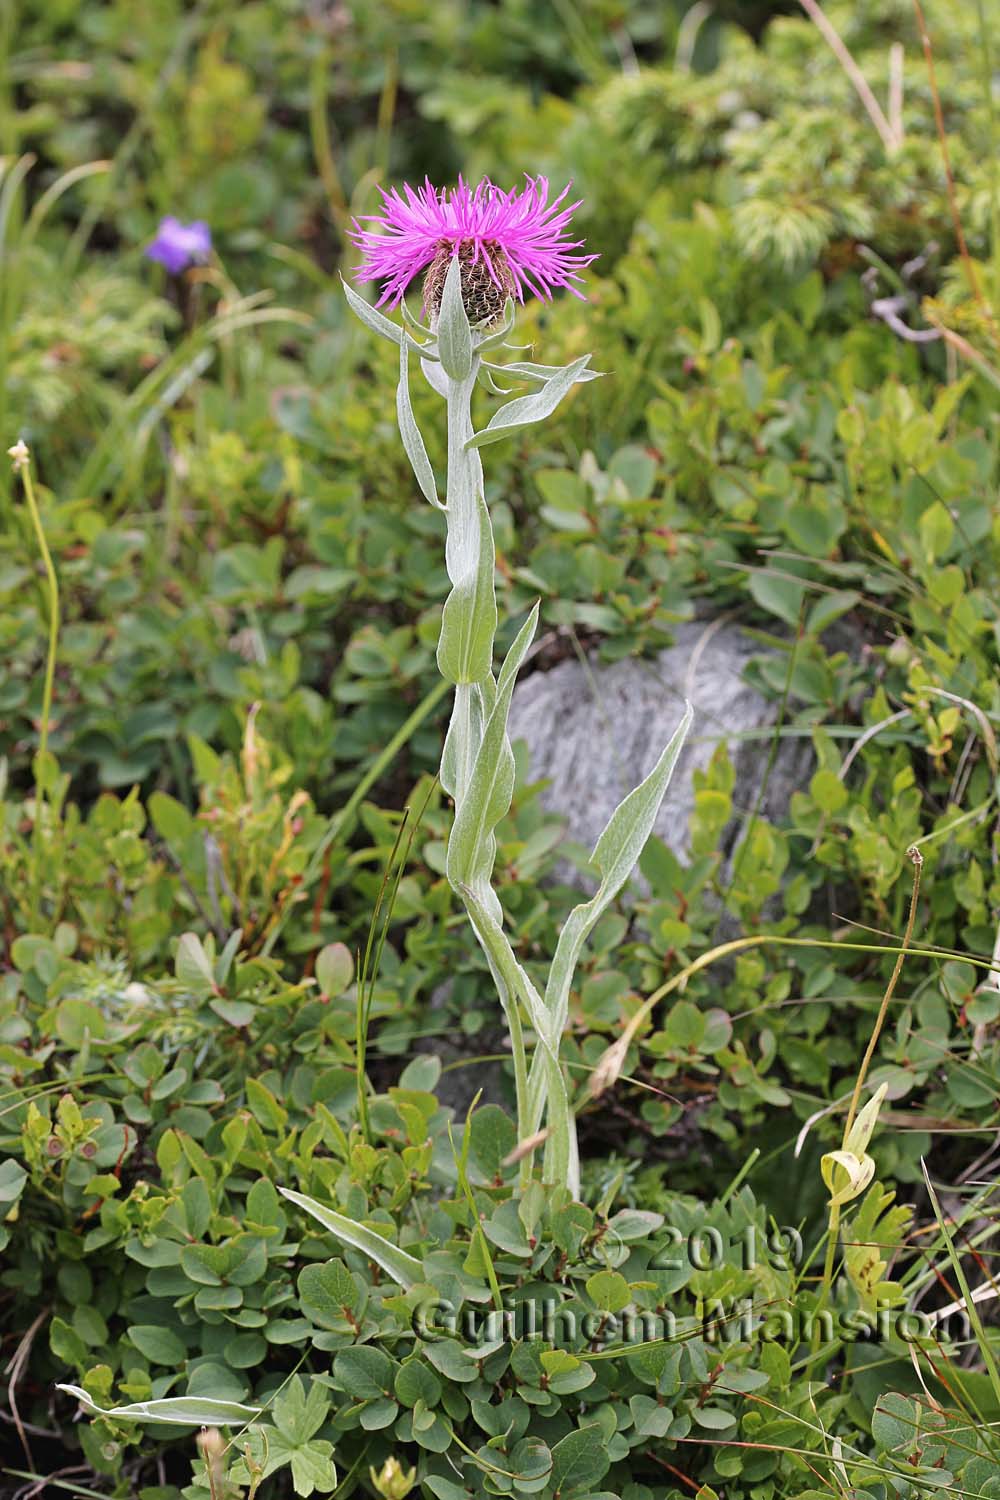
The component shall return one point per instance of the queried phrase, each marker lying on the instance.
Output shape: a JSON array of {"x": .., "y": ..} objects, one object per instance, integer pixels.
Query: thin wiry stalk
[
  {"x": 974, "y": 1318},
  {"x": 986, "y": 57},
  {"x": 972, "y": 275},
  {"x": 369, "y": 965},
  {"x": 833, "y": 1225},
  {"x": 41, "y": 763}
]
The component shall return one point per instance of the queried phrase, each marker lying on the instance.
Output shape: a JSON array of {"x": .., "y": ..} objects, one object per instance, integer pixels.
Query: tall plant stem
[
  {"x": 22, "y": 464},
  {"x": 512, "y": 1015},
  {"x": 12, "y": 175},
  {"x": 477, "y": 760},
  {"x": 833, "y": 1225},
  {"x": 917, "y": 859},
  {"x": 470, "y": 709}
]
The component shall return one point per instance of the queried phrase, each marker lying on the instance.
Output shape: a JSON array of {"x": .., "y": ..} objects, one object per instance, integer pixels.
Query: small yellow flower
[
  {"x": 393, "y": 1482},
  {"x": 861, "y": 1131},
  {"x": 848, "y": 1172},
  {"x": 846, "y": 1176}
]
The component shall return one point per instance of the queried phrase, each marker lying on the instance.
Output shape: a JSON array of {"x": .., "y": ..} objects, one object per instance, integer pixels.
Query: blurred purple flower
[{"x": 178, "y": 245}]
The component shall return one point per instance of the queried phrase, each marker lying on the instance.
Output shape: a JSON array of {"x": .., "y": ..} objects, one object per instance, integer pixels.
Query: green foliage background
[{"x": 251, "y": 595}]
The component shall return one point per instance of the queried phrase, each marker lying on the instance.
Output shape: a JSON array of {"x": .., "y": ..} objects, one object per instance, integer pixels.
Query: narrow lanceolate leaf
[
  {"x": 494, "y": 940},
  {"x": 378, "y": 323},
  {"x": 454, "y": 336},
  {"x": 410, "y": 433},
  {"x": 631, "y": 823},
  {"x": 414, "y": 323},
  {"x": 523, "y": 411},
  {"x": 182, "y": 1411},
  {"x": 615, "y": 854},
  {"x": 562, "y": 1153},
  {"x": 968, "y": 1297},
  {"x": 435, "y": 376},
  {"x": 469, "y": 621},
  {"x": 562, "y": 1159},
  {"x": 403, "y": 1268},
  {"x": 491, "y": 786},
  {"x": 465, "y": 730},
  {"x": 472, "y": 708},
  {"x": 485, "y": 378},
  {"x": 526, "y": 369},
  {"x": 491, "y": 337}
]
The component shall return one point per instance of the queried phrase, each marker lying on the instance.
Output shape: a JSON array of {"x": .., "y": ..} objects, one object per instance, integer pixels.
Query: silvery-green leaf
[
  {"x": 403, "y": 1268},
  {"x": 485, "y": 378},
  {"x": 486, "y": 690},
  {"x": 528, "y": 370},
  {"x": 471, "y": 848},
  {"x": 435, "y": 377},
  {"x": 465, "y": 730},
  {"x": 410, "y": 433},
  {"x": 490, "y": 340},
  {"x": 183, "y": 1411},
  {"x": 378, "y": 323},
  {"x": 450, "y": 772},
  {"x": 514, "y": 660},
  {"x": 469, "y": 620},
  {"x": 615, "y": 854},
  {"x": 470, "y": 711},
  {"x": 630, "y": 825},
  {"x": 497, "y": 946},
  {"x": 523, "y": 411},
  {"x": 454, "y": 336},
  {"x": 413, "y": 322},
  {"x": 561, "y": 1152},
  {"x": 537, "y": 1087}
]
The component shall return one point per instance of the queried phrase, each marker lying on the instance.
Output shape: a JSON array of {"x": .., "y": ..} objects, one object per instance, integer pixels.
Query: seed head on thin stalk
[{"x": 21, "y": 459}]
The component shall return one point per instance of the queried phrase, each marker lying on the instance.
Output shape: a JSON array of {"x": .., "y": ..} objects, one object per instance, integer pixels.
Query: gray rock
[{"x": 594, "y": 732}]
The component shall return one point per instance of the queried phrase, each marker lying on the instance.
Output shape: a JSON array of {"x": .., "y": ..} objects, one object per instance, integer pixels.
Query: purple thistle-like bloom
[
  {"x": 519, "y": 239},
  {"x": 178, "y": 245}
]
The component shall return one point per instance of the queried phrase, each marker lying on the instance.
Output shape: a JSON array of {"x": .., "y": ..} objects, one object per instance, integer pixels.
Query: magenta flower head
[
  {"x": 178, "y": 245},
  {"x": 506, "y": 243}
]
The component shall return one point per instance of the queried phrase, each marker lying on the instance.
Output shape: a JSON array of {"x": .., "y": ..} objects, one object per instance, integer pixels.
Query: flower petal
[{"x": 522, "y": 225}]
